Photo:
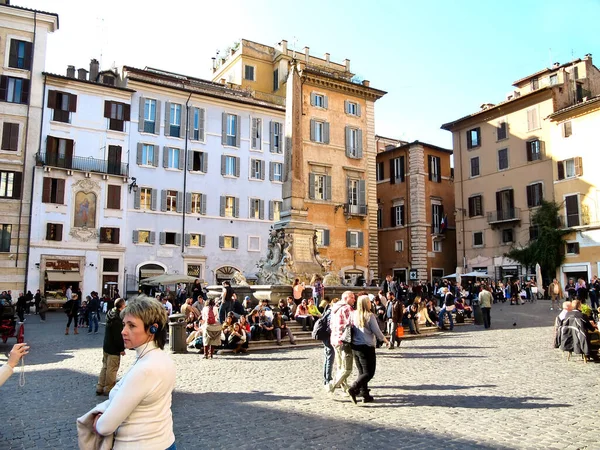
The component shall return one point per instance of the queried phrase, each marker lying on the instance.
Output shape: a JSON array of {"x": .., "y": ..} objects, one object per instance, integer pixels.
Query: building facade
[
  {"x": 207, "y": 161},
  {"x": 415, "y": 216},
  {"x": 336, "y": 123},
  {"x": 23, "y": 34},
  {"x": 504, "y": 165},
  {"x": 80, "y": 184},
  {"x": 573, "y": 131}
]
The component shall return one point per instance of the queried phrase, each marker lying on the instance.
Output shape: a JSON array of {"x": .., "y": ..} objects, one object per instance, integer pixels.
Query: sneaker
[{"x": 330, "y": 387}]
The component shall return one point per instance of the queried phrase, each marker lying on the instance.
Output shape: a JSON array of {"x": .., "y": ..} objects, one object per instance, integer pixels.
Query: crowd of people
[{"x": 576, "y": 329}]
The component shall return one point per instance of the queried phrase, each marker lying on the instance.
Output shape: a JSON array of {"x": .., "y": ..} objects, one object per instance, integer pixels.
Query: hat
[
  {"x": 247, "y": 297},
  {"x": 371, "y": 297}
]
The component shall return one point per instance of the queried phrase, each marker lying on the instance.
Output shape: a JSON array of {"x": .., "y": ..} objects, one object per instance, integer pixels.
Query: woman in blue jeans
[{"x": 365, "y": 334}]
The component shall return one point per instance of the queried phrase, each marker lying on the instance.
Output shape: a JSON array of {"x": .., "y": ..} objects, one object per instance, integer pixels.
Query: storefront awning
[
  {"x": 58, "y": 276},
  {"x": 577, "y": 268}
]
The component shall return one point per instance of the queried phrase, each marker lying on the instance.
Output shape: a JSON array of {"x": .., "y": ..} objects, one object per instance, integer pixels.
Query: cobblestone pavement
[{"x": 502, "y": 388}]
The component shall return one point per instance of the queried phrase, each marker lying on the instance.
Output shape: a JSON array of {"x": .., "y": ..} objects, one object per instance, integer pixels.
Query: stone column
[
  {"x": 371, "y": 181},
  {"x": 418, "y": 211}
]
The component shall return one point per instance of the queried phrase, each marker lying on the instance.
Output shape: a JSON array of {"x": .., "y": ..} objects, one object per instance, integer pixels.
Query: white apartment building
[
  {"x": 80, "y": 184},
  {"x": 207, "y": 171}
]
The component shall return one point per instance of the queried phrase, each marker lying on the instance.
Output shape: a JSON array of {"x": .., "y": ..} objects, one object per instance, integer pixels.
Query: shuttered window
[
  {"x": 534, "y": 150},
  {"x": 10, "y": 184},
  {"x": 62, "y": 105},
  {"x": 14, "y": 90},
  {"x": 570, "y": 168},
  {"x": 20, "y": 54},
  {"x": 109, "y": 235},
  {"x": 534, "y": 195},
  {"x": 475, "y": 206},
  {"x": 113, "y": 194},
  {"x": 572, "y": 210},
  {"x": 117, "y": 114},
  {"x": 10, "y": 136},
  {"x": 475, "y": 166},
  {"x": 53, "y": 191},
  {"x": 54, "y": 231},
  {"x": 502, "y": 131},
  {"x": 532, "y": 119},
  {"x": 503, "y": 159},
  {"x": 474, "y": 138}
]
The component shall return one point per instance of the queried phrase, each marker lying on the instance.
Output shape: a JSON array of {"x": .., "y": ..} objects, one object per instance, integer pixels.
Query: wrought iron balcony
[
  {"x": 83, "y": 164},
  {"x": 504, "y": 215},
  {"x": 355, "y": 210}
]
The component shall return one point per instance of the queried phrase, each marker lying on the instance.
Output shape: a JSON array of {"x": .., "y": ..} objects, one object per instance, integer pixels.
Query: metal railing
[
  {"x": 83, "y": 164},
  {"x": 355, "y": 210},
  {"x": 504, "y": 215}
]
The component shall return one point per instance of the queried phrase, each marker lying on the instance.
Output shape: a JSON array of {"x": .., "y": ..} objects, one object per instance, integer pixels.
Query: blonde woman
[{"x": 365, "y": 334}]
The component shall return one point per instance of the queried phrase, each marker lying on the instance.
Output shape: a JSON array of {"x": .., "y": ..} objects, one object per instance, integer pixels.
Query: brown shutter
[
  {"x": 25, "y": 92},
  {"x": 561, "y": 170},
  {"x": 46, "y": 190},
  {"x": 392, "y": 174},
  {"x": 6, "y": 136},
  {"x": 69, "y": 153},
  {"x": 60, "y": 191},
  {"x": 3, "y": 87},
  {"x": 72, "y": 103},
  {"x": 52, "y": 99},
  {"x": 471, "y": 206},
  {"x": 116, "y": 232},
  {"x": 393, "y": 216},
  {"x": 14, "y": 137},
  {"x": 103, "y": 235},
  {"x": 498, "y": 201},
  {"x": 529, "y": 196},
  {"x": 402, "y": 169},
  {"x": 126, "y": 112},
  {"x": 58, "y": 230},
  {"x": 429, "y": 167},
  {"x": 529, "y": 152},
  {"x": 49, "y": 231},
  {"x": 17, "y": 181},
  {"x": 12, "y": 55},
  {"x": 107, "y": 108},
  {"x": 28, "y": 53},
  {"x": 578, "y": 166}
]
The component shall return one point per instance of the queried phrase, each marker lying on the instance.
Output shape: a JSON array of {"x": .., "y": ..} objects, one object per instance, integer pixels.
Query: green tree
[{"x": 548, "y": 248}]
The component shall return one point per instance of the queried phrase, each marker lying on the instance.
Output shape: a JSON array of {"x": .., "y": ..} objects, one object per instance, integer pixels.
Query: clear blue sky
[{"x": 438, "y": 60}]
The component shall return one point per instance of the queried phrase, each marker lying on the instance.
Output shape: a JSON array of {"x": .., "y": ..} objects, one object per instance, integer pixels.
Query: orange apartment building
[
  {"x": 415, "y": 194},
  {"x": 334, "y": 124}
]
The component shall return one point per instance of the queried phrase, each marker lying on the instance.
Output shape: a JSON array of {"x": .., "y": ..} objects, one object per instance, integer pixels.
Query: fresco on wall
[{"x": 85, "y": 210}]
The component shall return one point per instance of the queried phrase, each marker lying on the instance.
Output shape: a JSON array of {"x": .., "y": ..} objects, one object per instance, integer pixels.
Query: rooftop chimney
[
  {"x": 94, "y": 70},
  {"x": 347, "y": 64},
  {"x": 327, "y": 57},
  {"x": 588, "y": 56},
  {"x": 81, "y": 74},
  {"x": 556, "y": 64},
  {"x": 214, "y": 63},
  {"x": 283, "y": 44},
  {"x": 366, "y": 83},
  {"x": 223, "y": 81},
  {"x": 306, "y": 54},
  {"x": 71, "y": 71}
]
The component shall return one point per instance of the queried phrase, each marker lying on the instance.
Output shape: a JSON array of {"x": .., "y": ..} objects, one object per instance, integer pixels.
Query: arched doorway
[{"x": 224, "y": 273}]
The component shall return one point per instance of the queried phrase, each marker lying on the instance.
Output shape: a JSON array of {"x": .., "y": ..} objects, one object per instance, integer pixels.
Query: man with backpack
[
  {"x": 322, "y": 332},
  {"x": 341, "y": 315},
  {"x": 447, "y": 309}
]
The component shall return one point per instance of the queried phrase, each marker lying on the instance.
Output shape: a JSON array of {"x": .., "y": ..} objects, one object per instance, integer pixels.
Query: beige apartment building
[
  {"x": 330, "y": 120},
  {"x": 23, "y": 34},
  {"x": 505, "y": 164},
  {"x": 575, "y": 133}
]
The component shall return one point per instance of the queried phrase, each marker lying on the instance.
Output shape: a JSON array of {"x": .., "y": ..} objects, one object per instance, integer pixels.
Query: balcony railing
[
  {"x": 83, "y": 164},
  {"x": 574, "y": 220},
  {"x": 355, "y": 210},
  {"x": 504, "y": 215}
]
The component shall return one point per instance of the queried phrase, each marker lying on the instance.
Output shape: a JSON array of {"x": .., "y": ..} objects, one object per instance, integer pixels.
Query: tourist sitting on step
[
  {"x": 266, "y": 325},
  {"x": 226, "y": 329},
  {"x": 466, "y": 309},
  {"x": 245, "y": 326},
  {"x": 281, "y": 329},
  {"x": 284, "y": 310},
  {"x": 247, "y": 304},
  {"x": 237, "y": 339},
  {"x": 303, "y": 317},
  {"x": 313, "y": 310},
  {"x": 254, "y": 322},
  {"x": 292, "y": 308}
]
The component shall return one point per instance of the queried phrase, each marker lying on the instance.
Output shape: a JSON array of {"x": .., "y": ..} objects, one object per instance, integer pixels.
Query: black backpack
[
  {"x": 449, "y": 299},
  {"x": 321, "y": 330}
]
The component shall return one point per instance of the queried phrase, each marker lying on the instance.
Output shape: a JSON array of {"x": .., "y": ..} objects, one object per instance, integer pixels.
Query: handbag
[
  {"x": 346, "y": 336},
  {"x": 399, "y": 331}
]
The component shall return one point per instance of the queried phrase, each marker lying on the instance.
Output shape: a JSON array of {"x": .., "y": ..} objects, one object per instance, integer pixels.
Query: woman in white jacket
[{"x": 138, "y": 410}]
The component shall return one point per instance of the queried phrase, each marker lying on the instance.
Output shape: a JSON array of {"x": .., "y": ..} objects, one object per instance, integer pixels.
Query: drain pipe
[{"x": 185, "y": 170}]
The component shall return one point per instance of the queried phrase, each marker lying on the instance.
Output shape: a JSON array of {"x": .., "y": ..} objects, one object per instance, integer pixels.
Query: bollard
[{"x": 177, "y": 335}]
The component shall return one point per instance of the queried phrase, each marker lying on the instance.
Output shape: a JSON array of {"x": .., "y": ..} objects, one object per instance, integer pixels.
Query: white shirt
[
  {"x": 68, "y": 294},
  {"x": 169, "y": 307},
  {"x": 139, "y": 406}
]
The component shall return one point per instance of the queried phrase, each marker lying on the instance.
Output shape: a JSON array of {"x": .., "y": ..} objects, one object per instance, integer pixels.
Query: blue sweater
[{"x": 366, "y": 335}]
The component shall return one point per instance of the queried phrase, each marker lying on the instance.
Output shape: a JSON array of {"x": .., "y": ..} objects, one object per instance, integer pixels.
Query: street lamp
[{"x": 133, "y": 185}]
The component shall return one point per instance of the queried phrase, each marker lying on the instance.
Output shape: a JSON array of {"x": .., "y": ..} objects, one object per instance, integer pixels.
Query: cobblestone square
[{"x": 505, "y": 388}]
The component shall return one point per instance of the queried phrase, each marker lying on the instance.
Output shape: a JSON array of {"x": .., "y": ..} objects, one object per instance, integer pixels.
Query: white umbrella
[{"x": 452, "y": 275}]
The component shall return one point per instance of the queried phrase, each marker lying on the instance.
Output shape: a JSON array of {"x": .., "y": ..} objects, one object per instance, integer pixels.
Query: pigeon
[{"x": 514, "y": 324}]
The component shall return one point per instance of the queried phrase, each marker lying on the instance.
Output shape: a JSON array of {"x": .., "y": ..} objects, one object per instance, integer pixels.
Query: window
[
  {"x": 319, "y": 187},
  {"x": 229, "y": 206},
  {"x": 172, "y": 158},
  {"x": 553, "y": 80},
  {"x": 379, "y": 218},
  {"x": 14, "y": 90},
  {"x": 570, "y": 168},
  {"x": 110, "y": 265},
  {"x": 319, "y": 131},
  {"x": 231, "y": 130},
  {"x": 475, "y": 167},
  {"x": 257, "y": 169},
  {"x": 197, "y": 203},
  {"x": 275, "y": 210},
  {"x": 256, "y": 134},
  {"x": 398, "y": 216},
  {"x": 54, "y": 231},
  {"x": 354, "y": 239},
  {"x": 228, "y": 242},
  {"x": 109, "y": 235},
  {"x": 59, "y": 152},
  {"x": 20, "y": 54},
  {"x": 10, "y": 136},
  {"x": 501, "y": 130},
  {"x": 534, "y": 232},
  {"x": 174, "y": 120},
  {"x": 249, "y": 73},
  {"x": 322, "y": 238},
  {"x": 143, "y": 237},
  {"x": 399, "y": 246},
  {"x": 276, "y": 171},
  {"x": 379, "y": 172},
  {"x": 505, "y": 205},
  {"x": 62, "y": 104},
  {"x": 475, "y": 206},
  {"x": 357, "y": 203},
  {"x": 503, "y": 159},
  {"x": 478, "y": 239},
  {"x": 276, "y": 137},
  {"x": 196, "y": 240},
  {"x": 318, "y": 100},
  {"x": 198, "y": 162},
  {"x": 150, "y": 124},
  {"x": 10, "y": 184},
  {"x": 534, "y": 195},
  {"x": 197, "y": 124},
  {"x": 169, "y": 238},
  {"x": 146, "y": 155},
  {"x": 437, "y": 215},
  {"x": 572, "y": 210},
  {"x": 572, "y": 248},
  {"x": 230, "y": 166},
  {"x": 567, "y": 130},
  {"x": 435, "y": 169},
  {"x": 576, "y": 72},
  {"x": 534, "y": 150},
  {"x": 507, "y": 236},
  {"x": 5, "y": 235},
  {"x": 145, "y": 198},
  {"x": 113, "y": 197},
  {"x": 352, "y": 108},
  {"x": 275, "y": 80},
  {"x": 353, "y": 143},
  {"x": 535, "y": 84},
  {"x": 437, "y": 245},
  {"x": 171, "y": 201},
  {"x": 117, "y": 114},
  {"x": 397, "y": 170},
  {"x": 474, "y": 138},
  {"x": 532, "y": 119},
  {"x": 257, "y": 207},
  {"x": 53, "y": 191}
]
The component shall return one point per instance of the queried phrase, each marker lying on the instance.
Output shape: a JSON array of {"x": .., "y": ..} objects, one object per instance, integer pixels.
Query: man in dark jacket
[
  {"x": 94, "y": 312},
  {"x": 113, "y": 349}
]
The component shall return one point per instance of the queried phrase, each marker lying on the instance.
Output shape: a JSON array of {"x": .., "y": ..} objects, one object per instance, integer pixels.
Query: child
[{"x": 83, "y": 315}]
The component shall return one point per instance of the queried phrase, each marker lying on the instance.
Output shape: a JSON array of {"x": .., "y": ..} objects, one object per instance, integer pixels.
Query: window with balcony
[
  {"x": 475, "y": 167},
  {"x": 535, "y": 195},
  {"x": 503, "y": 159},
  {"x": 5, "y": 237},
  {"x": 59, "y": 152},
  {"x": 357, "y": 201},
  {"x": 53, "y": 191},
  {"x": 62, "y": 105},
  {"x": 14, "y": 90},
  {"x": 117, "y": 114},
  {"x": 10, "y": 136},
  {"x": 475, "y": 206},
  {"x": 534, "y": 150},
  {"x": 570, "y": 168},
  {"x": 54, "y": 231},
  {"x": 435, "y": 168},
  {"x": 19, "y": 56},
  {"x": 10, "y": 184},
  {"x": 474, "y": 138},
  {"x": 319, "y": 131},
  {"x": 505, "y": 205}
]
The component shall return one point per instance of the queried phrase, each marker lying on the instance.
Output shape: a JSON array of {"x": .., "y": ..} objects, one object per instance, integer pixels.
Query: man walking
[
  {"x": 112, "y": 349},
  {"x": 485, "y": 301},
  {"x": 94, "y": 312},
  {"x": 555, "y": 292},
  {"x": 341, "y": 313}
]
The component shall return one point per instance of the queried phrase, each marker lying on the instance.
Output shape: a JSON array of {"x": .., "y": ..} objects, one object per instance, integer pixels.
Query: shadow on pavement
[
  {"x": 465, "y": 401},
  {"x": 428, "y": 355},
  {"x": 435, "y": 387}
]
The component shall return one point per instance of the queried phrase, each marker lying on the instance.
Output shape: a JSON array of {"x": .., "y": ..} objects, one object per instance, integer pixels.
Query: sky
[{"x": 437, "y": 60}]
